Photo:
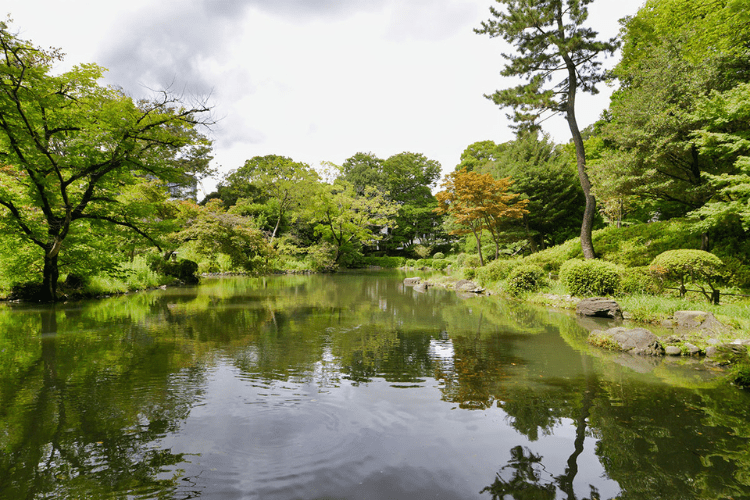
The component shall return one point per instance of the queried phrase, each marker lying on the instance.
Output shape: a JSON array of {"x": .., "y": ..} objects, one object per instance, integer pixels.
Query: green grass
[{"x": 652, "y": 309}]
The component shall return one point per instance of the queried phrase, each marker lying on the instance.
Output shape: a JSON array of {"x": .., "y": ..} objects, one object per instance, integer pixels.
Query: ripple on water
[{"x": 273, "y": 437}]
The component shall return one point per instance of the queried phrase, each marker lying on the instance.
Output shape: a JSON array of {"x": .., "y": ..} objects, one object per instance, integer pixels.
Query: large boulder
[
  {"x": 635, "y": 341},
  {"x": 412, "y": 281},
  {"x": 599, "y": 307},
  {"x": 705, "y": 322},
  {"x": 466, "y": 286}
]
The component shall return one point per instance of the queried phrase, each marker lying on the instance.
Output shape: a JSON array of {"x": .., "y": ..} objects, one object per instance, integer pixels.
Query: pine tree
[{"x": 550, "y": 38}]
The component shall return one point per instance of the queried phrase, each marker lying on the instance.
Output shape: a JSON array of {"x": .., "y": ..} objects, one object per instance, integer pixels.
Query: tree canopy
[
  {"x": 476, "y": 202},
  {"x": 69, "y": 146}
]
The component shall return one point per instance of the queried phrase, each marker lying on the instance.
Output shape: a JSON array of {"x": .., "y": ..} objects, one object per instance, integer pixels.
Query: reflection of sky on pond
[
  {"x": 255, "y": 438},
  {"x": 347, "y": 387}
]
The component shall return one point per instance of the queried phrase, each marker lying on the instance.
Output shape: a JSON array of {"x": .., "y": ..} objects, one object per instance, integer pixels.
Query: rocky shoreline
[{"x": 694, "y": 334}]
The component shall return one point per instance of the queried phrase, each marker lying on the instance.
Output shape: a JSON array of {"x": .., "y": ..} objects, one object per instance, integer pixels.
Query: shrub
[
  {"x": 421, "y": 251},
  {"x": 639, "y": 280},
  {"x": 525, "y": 278},
  {"x": 469, "y": 273},
  {"x": 471, "y": 261},
  {"x": 741, "y": 375},
  {"x": 322, "y": 257},
  {"x": 590, "y": 277},
  {"x": 488, "y": 252},
  {"x": 182, "y": 269},
  {"x": 440, "y": 265},
  {"x": 411, "y": 263},
  {"x": 460, "y": 258},
  {"x": 26, "y": 291},
  {"x": 438, "y": 256},
  {"x": 735, "y": 273},
  {"x": 424, "y": 263},
  {"x": 696, "y": 266},
  {"x": 496, "y": 270}
]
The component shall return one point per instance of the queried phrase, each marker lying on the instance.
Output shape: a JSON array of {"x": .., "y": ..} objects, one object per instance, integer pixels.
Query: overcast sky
[{"x": 315, "y": 80}]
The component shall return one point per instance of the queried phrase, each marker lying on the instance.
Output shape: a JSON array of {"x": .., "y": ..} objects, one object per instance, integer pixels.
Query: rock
[
  {"x": 465, "y": 286},
  {"x": 692, "y": 350},
  {"x": 599, "y": 307},
  {"x": 714, "y": 341},
  {"x": 703, "y": 321},
  {"x": 635, "y": 341},
  {"x": 725, "y": 354},
  {"x": 421, "y": 287},
  {"x": 672, "y": 350},
  {"x": 412, "y": 281}
]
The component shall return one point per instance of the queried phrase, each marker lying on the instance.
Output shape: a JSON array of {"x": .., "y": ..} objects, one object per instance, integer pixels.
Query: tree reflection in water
[
  {"x": 72, "y": 427},
  {"x": 88, "y": 393}
]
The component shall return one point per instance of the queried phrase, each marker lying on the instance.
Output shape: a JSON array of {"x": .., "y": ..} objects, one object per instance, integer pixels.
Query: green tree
[
  {"x": 675, "y": 53},
  {"x": 550, "y": 38},
  {"x": 479, "y": 153},
  {"x": 69, "y": 146},
  {"x": 542, "y": 174},
  {"x": 278, "y": 179},
  {"x": 406, "y": 179},
  {"x": 212, "y": 231},
  {"x": 364, "y": 170},
  {"x": 476, "y": 202},
  {"x": 725, "y": 135},
  {"x": 344, "y": 218}
]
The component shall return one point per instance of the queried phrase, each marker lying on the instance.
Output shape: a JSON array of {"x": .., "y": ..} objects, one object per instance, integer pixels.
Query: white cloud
[{"x": 315, "y": 80}]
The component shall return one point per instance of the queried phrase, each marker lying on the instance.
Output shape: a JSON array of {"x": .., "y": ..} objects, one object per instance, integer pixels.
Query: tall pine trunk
[{"x": 587, "y": 226}]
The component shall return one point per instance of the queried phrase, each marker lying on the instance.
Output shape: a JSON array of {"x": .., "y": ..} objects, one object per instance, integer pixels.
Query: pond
[{"x": 349, "y": 386}]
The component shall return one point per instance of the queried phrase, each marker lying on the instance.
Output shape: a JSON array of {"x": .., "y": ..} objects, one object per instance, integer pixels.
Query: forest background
[{"x": 98, "y": 191}]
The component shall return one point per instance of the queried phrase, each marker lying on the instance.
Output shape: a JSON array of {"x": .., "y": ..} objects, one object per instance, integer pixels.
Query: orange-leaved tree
[{"x": 479, "y": 201}]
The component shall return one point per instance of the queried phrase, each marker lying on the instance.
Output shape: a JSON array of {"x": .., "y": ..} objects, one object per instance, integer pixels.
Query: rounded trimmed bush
[
  {"x": 438, "y": 256},
  {"x": 411, "y": 263},
  {"x": 497, "y": 270},
  {"x": 471, "y": 261},
  {"x": 525, "y": 278},
  {"x": 590, "y": 277},
  {"x": 679, "y": 265},
  {"x": 639, "y": 280}
]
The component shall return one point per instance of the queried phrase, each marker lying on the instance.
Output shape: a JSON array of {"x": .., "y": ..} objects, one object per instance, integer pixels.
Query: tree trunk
[
  {"x": 532, "y": 242},
  {"x": 587, "y": 244},
  {"x": 50, "y": 277},
  {"x": 479, "y": 247},
  {"x": 276, "y": 228}
]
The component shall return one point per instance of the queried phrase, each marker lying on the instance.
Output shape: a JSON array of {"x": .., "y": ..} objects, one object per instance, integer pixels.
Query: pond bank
[{"x": 694, "y": 334}]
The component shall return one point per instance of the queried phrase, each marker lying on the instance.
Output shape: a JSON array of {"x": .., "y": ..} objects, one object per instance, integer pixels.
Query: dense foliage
[
  {"x": 75, "y": 154},
  {"x": 585, "y": 278},
  {"x": 97, "y": 191}
]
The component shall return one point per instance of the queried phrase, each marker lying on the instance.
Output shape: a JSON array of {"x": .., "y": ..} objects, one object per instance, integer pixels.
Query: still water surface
[{"x": 350, "y": 386}]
